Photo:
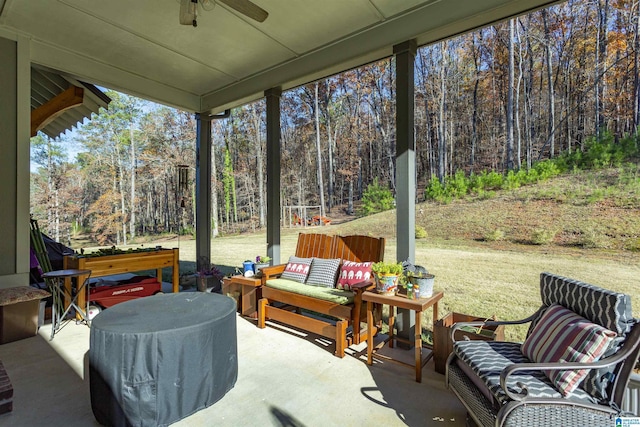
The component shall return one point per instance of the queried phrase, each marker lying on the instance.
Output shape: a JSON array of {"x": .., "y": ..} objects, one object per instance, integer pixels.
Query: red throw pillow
[{"x": 352, "y": 273}]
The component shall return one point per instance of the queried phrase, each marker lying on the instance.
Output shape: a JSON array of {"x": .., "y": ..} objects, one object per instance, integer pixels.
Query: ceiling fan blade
[{"x": 247, "y": 8}]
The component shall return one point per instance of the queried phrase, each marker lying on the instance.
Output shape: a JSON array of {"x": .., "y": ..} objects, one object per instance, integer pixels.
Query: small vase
[{"x": 386, "y": 284}]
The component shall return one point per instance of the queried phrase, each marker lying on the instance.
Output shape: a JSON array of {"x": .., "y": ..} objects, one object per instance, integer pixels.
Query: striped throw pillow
[
  {"x": 563, "y": 336},
  {"x": 323, "y": 272},
  {"x": 297, "y": 269}
]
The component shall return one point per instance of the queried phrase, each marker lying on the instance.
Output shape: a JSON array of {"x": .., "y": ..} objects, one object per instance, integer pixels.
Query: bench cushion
[
  {"x": 486, "y": 359},
  {"x": 327, "y": 294}
]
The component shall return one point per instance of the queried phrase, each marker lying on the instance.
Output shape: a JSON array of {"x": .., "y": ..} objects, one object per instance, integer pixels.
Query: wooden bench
[{"x": 289, "y": 311}]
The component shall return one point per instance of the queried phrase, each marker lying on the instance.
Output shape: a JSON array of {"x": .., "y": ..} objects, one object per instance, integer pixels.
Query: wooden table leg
[
  {"x": 369, "y": 332},
  {"x": 249, "y": 299},
  {"x": 418, "y": 344},
  {"x": 176, "y": 270},
  {"x": 392, "y": 321}
]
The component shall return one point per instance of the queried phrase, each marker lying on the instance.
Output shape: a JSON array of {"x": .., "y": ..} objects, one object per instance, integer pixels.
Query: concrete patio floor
[{"x": 283, "y": 380}]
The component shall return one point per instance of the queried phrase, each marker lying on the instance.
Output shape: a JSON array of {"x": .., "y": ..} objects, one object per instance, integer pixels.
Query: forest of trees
[{"x": 499, "y": 98}]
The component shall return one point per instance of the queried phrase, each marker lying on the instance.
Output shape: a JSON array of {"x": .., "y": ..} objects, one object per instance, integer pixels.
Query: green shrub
[
  {"x": 632, "y": 245},
  {"x": 514, "y": 180},
  {"x": 542, "y": 236},
  {"x": 596, "y": 195},
  {"x": 421, "y": 233},
  {"x": 532, "y": 176},
  {"x": 592, "y": 239},
  {"x": 456, "y": 186},
  {"x": 376, "y": 198},
  {"x": 436, "y": 191},
  {"x": 492, "y": 180},
  {"x": 495, "y": 235},
  {"x": 546, "y": 169}
]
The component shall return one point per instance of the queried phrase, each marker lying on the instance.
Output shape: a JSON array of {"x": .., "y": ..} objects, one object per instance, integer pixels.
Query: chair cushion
[
  {"x": 323, "y": 272},
  {"x": 488, "y": 358},
  {"x": 337, "y": 296},
  {"x": 609, "y": 309},
  {"x": 297, "y": 269},
  {"x": 563, "y": 336},
  {"x": 353, "y": 272}
]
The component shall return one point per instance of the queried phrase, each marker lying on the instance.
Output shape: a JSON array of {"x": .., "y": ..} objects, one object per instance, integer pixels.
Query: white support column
[
  {"x": 203, "y": 190},
  {"x": 15, "y": 129},
  {"x": 405, "y": 170},
  {"x": 273, "y": 173}
]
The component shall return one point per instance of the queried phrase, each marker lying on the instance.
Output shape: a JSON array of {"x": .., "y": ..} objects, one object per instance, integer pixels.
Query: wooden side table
[
  {"x": 395, "y": 301},
  {"x": 250, "y": 293}
]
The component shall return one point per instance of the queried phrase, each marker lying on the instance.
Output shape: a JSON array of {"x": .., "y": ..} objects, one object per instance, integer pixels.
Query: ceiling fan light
[{"x": 188, "y": 12}]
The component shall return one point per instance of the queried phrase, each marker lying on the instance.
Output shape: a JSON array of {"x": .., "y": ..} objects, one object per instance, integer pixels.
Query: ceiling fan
[{"x": 189, "y": 9}]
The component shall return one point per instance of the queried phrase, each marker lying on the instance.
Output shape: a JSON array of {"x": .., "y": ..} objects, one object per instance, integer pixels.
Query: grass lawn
[
  {"x": 477, "y": 280},
  {"x": 593, "y": 225}
]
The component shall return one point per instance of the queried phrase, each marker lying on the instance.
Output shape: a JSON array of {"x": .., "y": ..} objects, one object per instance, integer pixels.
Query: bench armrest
[
  {"x": 362, "y": 286},
  {"x": 273, "y": 272}
]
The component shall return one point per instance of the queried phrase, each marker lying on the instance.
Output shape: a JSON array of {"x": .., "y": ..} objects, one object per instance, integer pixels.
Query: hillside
[{"x": 587, "y": 210}]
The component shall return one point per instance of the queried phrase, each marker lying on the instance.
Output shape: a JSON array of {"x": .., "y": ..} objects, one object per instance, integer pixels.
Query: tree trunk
[
  {"x": 474, "y": 120},
  {"x": 442, "y": 144},
  {"x": 319, "y": 154},
  {"x": 636, "y": 74},
  {"x": 551, "y": 95},
  {"x": 331, "y": 142},
  {"x": 601, "y": 58},
  {"x": 510, "y": 99},
  {"x": 123, "y": 205},
  {"x": 517, "y": 101},
  {"x": 260, "y": 167},
  {"x": 132, "y": 197}
]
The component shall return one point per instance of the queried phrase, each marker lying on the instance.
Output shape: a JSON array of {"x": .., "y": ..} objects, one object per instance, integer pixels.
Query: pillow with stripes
[
  {"x": 564, "y": 336},
  {"x": 323, "y": 272}
]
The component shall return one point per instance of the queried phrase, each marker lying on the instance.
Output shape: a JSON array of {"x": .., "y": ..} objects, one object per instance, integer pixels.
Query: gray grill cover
[{"x": 156, "y": 360}]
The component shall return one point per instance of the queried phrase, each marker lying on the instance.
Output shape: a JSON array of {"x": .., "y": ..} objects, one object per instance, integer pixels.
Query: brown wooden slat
[
  {"x": 358, "y": 248},
  {"x": 313, "y": 245},
  {"x": 308, "y": 303},
  {"x": 299, "y": 321}
]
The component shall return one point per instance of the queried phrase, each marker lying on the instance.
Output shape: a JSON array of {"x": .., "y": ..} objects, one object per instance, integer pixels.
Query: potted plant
[
  {"x": 262, "y": 262},
  {"x": 387, "y": 275},
  {"x": 209, "y": 276}
]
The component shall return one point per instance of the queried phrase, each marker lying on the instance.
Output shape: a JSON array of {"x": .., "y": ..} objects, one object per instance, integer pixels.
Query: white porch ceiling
[{"x": 140, "y": 48}]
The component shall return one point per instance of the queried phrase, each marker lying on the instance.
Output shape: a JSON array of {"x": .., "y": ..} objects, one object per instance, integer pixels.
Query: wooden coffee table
[
  {"x": 395, "y": 301},
  {"x": 251, "y": 292}
]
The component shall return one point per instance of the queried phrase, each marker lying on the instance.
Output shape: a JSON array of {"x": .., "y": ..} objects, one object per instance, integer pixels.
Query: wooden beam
[{"x": 50, "y": 110}]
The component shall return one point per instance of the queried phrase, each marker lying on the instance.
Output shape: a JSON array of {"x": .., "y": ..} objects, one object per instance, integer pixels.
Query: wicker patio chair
[{"x": 500, "y": 386}]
